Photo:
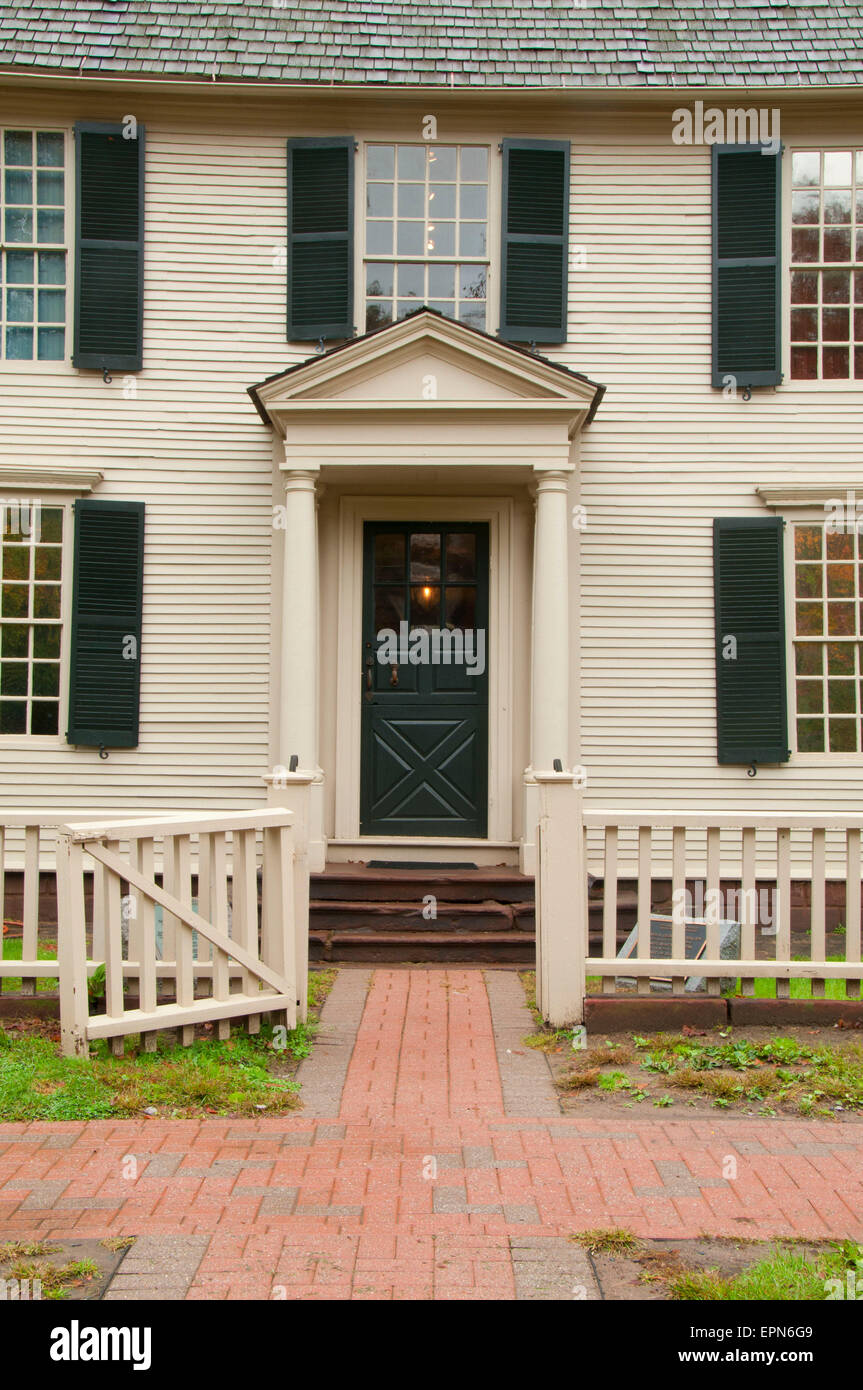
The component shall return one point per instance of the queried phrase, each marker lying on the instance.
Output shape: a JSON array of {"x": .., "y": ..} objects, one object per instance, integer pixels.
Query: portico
[{"x": 432, "y": 429}]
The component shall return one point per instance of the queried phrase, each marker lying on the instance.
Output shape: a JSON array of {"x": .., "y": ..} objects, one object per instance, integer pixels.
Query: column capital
[
  {"x": 299, "y": 479},
  {"x": 551, "y": 479}
]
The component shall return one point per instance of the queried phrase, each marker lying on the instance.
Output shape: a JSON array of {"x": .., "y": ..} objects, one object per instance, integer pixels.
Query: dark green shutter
[
  {"x": 109, "y": 247},
  {"x": 321, "y": 238},
  {"x": 534, "y": 241},
  {"x": 747, "y": 294},
  {"x": 107, "y": 586},
  {"x": 749, "y": 593}
]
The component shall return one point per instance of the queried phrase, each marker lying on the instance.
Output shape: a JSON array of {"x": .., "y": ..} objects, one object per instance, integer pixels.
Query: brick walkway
[{"x": 431, "y": 1161}]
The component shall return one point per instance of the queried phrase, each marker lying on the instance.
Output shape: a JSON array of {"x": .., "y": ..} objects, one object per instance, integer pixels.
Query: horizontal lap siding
[{"x": 191, "y": 445}]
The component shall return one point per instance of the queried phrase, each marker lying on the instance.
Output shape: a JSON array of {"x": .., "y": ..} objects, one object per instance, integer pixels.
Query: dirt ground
[{"x": 592, "y": 1101}]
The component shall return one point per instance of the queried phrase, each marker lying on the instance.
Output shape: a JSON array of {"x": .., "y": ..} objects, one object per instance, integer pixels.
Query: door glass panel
[
  {"x": 425, "y": 556},
  {"x": 460, "y": 556},
  {"x": 425, "y": 606},
  {"x": 460, "y": 607},
  {"x": 389, "y": 558},
  {"x": 389, "y": 607}
]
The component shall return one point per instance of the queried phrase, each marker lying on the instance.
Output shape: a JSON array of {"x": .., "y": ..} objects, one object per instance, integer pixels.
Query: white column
[
  {"x": 550, "y": 695},
  {"x": 298, "y": 698},
  {"x": 299, "y": 658},
  {"x": 549, "y": 665}
]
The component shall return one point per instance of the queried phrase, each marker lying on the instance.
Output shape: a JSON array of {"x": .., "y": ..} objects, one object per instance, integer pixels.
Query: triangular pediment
[{"x": 426, "y": 359}]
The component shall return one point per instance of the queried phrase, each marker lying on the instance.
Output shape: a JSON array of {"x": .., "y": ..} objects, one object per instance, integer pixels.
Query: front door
[{"x": 425, "y": 679}]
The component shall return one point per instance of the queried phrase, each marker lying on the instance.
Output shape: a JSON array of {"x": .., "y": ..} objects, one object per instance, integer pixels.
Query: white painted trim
[
  {"x": 49, "y": 477},
  {"x": 784, "y": 496},
  {"x": 353, "y": 512}
]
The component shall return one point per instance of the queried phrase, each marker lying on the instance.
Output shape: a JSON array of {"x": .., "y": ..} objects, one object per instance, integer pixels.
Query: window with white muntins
[
  {"x": 827, "y": 265},
  {"x": 426, "y": 232},
  {"x": 31, "y": 552},
  {"x": 32, "y": 246},
  {"x": 827, "y": 638}
]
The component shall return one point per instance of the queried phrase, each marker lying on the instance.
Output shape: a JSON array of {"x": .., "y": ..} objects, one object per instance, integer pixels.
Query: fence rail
[{"x": 733, "y": 858}]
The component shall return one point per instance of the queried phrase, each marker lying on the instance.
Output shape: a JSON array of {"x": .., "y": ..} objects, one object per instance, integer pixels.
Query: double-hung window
[
  {"x": 828, "y": 637},
  {"x": 33, "y": 270},
  {"x": 31, "y": 551},
  {"x": 826, "y": 246},
  {"x": 426, "y": 232}
]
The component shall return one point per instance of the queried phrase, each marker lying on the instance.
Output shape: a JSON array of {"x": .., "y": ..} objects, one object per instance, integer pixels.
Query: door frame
[{"x": 354, "y": 511}]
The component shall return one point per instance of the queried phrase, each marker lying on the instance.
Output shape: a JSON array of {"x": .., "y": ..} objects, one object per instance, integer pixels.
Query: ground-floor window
[
  {"x": 828, "y": 638},
  {"x": 31, "y": 548}
]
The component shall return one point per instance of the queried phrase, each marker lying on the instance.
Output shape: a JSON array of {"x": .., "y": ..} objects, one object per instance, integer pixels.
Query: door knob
[{"x": 394, "y": 675}]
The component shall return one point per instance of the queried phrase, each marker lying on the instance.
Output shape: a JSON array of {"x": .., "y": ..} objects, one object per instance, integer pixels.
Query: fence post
[
  {"x": 561, "y": 900},
  {"x": 292, "y": 790},
  {"x": 72, "y": 947}
]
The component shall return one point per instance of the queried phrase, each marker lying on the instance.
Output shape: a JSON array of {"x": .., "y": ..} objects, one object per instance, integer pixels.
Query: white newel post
[
  {"x": 300, "y": 648},
  {"x": 550, "y": 692},
  {"x": 561, "y": 900},
  {"x": 293, "y": 790}
]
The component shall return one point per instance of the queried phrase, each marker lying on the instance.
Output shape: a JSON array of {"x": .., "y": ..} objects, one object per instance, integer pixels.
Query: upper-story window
[
  {"x": 426, "y": 231},
  {"x": 826, "y": 244},
  {"x": 32, "y": 246}
]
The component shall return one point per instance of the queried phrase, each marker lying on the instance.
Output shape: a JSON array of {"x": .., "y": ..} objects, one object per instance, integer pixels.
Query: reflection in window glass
[
  {"x": 828, "y": 631},
  {"x": 30, "y": 608}
]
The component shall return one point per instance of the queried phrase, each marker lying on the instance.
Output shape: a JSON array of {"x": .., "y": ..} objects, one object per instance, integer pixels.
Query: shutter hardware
[
  {"x": 753, "y": 770},
  {"x": 106, "y": 377},
  {"x": 103, "y": 752}
]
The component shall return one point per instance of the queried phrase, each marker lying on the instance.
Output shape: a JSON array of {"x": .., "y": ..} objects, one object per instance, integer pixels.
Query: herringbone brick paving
[{"x": 422, "y": 1185}]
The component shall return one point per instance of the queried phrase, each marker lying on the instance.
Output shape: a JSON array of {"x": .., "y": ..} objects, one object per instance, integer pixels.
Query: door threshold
[{"x": 421, "y": 848}]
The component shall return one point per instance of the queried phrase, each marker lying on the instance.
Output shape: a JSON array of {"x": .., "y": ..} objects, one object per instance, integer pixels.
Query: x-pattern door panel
[{"x": 425, "y": 679}]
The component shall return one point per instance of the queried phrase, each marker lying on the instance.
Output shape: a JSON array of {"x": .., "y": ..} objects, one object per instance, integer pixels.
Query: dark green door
[{"x": 425, "y": 679}]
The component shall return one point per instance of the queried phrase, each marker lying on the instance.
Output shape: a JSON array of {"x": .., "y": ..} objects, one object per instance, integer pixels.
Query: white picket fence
[
  {"x": 27, "y": 844},
  {"x": 711, "y": 847}
]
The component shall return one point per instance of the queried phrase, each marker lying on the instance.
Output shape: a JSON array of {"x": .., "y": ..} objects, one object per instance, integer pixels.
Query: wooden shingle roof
[{"x": 435, "y": 43}]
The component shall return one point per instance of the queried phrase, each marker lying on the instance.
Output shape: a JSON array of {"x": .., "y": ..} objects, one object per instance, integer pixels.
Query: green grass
[
  {"x": 615, "y": 1240},
  {"x": 799, "y": 989},
  {"x": 787, "y": 1275},
  {"x": 238, "y": 1076},
  {"x": 45, "y": 950},
  {"x": 56, "y": 1280}
]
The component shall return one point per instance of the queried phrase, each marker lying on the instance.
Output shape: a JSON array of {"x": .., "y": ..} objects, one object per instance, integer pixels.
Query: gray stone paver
[
  {"x": 525, "y": 1075},
  {"x": 552, "y": 1269},
  {"x": 158, "y": 1267},
  {"x": 322, "y": 1076}
]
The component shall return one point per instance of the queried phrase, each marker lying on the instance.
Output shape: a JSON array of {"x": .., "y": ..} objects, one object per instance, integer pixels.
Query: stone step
[
  {"x": 408, "y": 916},
  {"x": 355, "y": 882},
  {"x": 490, "y": 948}
]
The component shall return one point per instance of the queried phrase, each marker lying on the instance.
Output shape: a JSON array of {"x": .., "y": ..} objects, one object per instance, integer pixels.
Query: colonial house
[{"x": 422, "y": 395}]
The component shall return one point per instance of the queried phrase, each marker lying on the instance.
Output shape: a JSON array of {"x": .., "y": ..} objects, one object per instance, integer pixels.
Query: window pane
[
  {"x": 837, "y": 168},
  {"x": 16, "y": 561},
  {"x": 810, "y": 622},
  {"x": 389, "y": 557},
  {"x": 412, "y": 281},
  {"x": 809, "y": 581},
  {"x": 834, "y": 363},
  {"x": 18, "y": 147},
  {"x": 474, "y": 162},
  {"x": 49, "y": 189},
  {"x": 412, "y": 200},
  {"x": 379, "y": 238},
  {"x": 19, "y": 186},
  {"x": 804, "y": 325},
  {"x": 14, "y": 640},
  {"x": 19, "y": 225},
  {"x": 442, "y": 200},
  {"x": 46, "y": 641},
  {"x": 441, "y": 239},
  {"x": 804, "y": 244},
  {"x": 843, "y": 735},
  {"x": 804, "y": 287},
  {"x": 378, "y": 315},
  {"x": 837, "y": 244},
  {"x": 411, "y": 238},
  {"x": 472, "y": 239},
  {"x": 460, "y": 555},
  {"x": 809, "y": 657},
  {"x": 810, "y": 735},
  {"x": 412, "y": 162},
  {"x": 840, "y": 658},
  {"x": 49, "y": 226},
  {"x": 50, "y": 344},
  {"x": 13, "y": 716},
  {"x": 810, "y": 697},
  {"x": 52, "y": 306},
  {"x": 51, "y": 525},
  {"x": 13, "y": 678},
  {"x": 804, "y": 363},
  {"x": 46, "y": 678},
  {"x": 441, "y": 281},
  {"x": 52, "y": 268},
  {"x": 835, "y": 286},
  {"x": 442, "y": 162},
  {"x": 379, "y": 278},
  {"x": 379, "y": 199},
  {"x": 425, "y": 606},
  {"x": 381, "y": 162},
  {"x": 837, "y": 205},
  {"x": 44, "y": 717},
  {"x": 474, "y": 200},
  {"x": 425, "y": 555},
  {"x": 14, "y": 601},
  {"x": 460, "y": 607},
  {"x": 389, "y": 608},
  {"x": 46, "y": 601},
  {"x": 805, "y": 167},
  {"x": 19, "y": 267},
  {"x": 49, "y": 150},
  {"x": 472, "y": 313},
  {"x": 48, "y": 562},
  {"x": 842, "y": 697},
  {"x": 840, "y": 545}
]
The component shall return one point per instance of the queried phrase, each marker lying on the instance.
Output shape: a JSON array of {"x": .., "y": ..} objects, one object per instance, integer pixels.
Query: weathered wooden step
[
  {"x": 355, "y": 882},
  {"x": 408, "y": 916},
  {"x": 403, "y": 947}
]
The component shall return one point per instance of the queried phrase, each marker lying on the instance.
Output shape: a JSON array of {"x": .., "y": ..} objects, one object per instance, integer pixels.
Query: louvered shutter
[
  {"x": 107, "y": 587},
  {"x": 746, "y": 266},
  {"x": 749, "y": 595},
  {"x": 321, "y": 238},
  {"x": 109, "y": 247},
  {"x": 534, "y": 240}
]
